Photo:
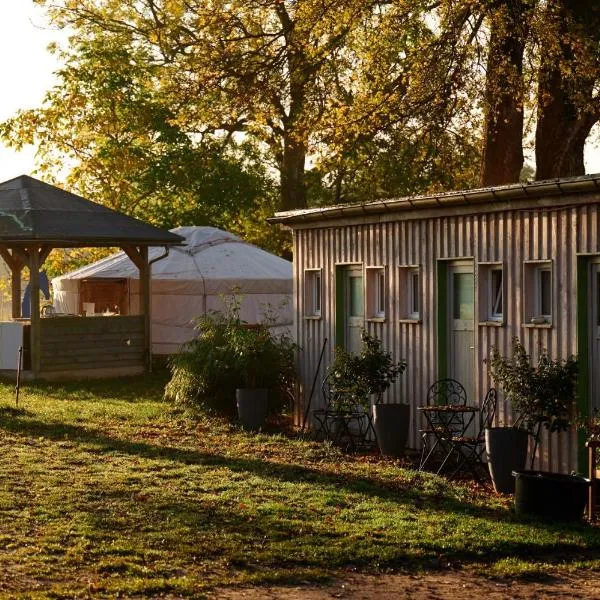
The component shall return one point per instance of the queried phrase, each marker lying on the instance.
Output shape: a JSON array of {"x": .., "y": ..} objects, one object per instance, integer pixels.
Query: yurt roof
[{"x": 218, "y": 259}]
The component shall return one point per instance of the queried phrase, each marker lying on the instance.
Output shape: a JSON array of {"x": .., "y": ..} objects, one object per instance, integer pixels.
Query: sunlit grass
[{"x": 103, "y": 490}]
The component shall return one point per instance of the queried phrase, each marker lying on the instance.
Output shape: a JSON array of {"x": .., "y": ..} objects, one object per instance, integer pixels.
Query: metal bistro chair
[
  {"x": 470, "y": 449},
  {"x": 444, "y": 392},
  {"x": 350, "y": 429}
]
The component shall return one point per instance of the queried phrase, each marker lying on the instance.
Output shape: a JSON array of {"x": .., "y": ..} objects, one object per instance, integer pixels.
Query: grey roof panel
[
  {"x": 476, "y": 197},
  {"x": 31, "y": 210}
]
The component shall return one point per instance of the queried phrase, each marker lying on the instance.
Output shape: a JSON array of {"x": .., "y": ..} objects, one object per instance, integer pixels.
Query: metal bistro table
[{"x": 445, "y": 422}]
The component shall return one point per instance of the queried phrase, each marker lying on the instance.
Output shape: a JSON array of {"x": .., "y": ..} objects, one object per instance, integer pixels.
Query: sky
[
  {"x": 26, "y": 72},
  {"x": 27, "y": 68}
]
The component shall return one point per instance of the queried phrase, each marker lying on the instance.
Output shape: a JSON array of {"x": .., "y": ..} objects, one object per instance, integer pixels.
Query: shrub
[
  {"x": 362, "y": 375},
  {"x": 227, "y": 354},
  {"x": 542, "y": 394}
]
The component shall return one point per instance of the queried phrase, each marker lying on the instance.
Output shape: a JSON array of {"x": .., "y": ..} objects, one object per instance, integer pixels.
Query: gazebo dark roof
[{"x": 34, "y": 211}]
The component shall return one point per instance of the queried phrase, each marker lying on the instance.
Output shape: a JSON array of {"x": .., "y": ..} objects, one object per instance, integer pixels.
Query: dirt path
[{"x": 432, "y": 586}]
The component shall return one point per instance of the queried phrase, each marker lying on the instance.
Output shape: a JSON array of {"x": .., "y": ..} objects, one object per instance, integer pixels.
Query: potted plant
[
  {"x": 263, "y": 362},
  {"x": 371, "y": 373},
  {"x": 542, "y": 396},
  {"x": 231, "y": 366}
]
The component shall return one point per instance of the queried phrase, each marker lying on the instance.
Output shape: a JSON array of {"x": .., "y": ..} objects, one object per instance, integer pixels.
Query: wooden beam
[
  {"x": 14, "y": 262},
  {"x": 34, "y": 282},
  {"x": 136, "y": 256},
  {"x": 7, "y": 257},
  {"x": 22, "y": 254},
  {"x": 145, "y": 303},
  {"x": 139, "y": 257},
  {"x": 44, "y": 253}
]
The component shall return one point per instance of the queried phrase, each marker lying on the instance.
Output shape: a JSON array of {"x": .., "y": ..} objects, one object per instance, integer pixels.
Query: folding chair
[
  {"x": 470, "y": 449},
  {"x": 443, "y": 392}
]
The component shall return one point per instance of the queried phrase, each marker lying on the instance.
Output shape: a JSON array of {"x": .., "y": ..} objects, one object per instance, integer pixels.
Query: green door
[{"x": 594, "y": 336}]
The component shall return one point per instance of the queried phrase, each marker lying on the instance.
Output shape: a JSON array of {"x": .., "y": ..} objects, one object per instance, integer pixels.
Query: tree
[
  {"x": 109, "y": 123},
  {"x": 383, "y": 97},
  {"x": 502, "y": 152},
  {"x": 568, "y": 105},
  {"x": 302, "y": 78},
  {"x": 263, "y": 68},
  {"x": 544, "y": 51},
  {"x": 402, "y": 163}
]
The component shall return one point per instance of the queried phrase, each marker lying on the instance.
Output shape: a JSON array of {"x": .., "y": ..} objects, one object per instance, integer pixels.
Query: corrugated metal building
[{"x": 442, "y": 279}]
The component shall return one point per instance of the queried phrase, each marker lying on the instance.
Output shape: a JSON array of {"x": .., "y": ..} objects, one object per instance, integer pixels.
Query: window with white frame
[
  {"x": 376, "y": 292},
  {"x": 538, "y": 292},
  {"x": 410, "y": 292},
  {"x": 312, "y": 292},
  {"x": 491, "y": 292}
]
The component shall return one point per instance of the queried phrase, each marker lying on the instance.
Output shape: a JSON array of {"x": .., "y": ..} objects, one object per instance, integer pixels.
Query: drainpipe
[{"x": 150, "y": 263}]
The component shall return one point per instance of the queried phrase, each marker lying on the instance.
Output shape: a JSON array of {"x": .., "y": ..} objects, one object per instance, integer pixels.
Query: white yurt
[{"x": 189, "y": 281}]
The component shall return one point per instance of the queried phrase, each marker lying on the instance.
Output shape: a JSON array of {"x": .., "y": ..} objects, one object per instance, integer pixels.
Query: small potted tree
[
  {"x": 541, "y": 396},
  {"x": 506, "y": 446},
  {"x": 369, "y": 374}
]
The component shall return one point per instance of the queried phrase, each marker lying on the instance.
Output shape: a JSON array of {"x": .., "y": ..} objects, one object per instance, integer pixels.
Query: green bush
[
  {"x": 541, "y": 395},
  {"x": 227, "y": 354},
  {"x": 360, "y": 376}
]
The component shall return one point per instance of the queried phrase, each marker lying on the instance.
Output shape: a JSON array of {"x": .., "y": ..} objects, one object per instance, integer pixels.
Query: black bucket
[
  {"x": 550, "y": 495},
  {"x": 506, "y": 451},
  {"x": 252, "y": 405},
  {"x": 391, "y": 422}
]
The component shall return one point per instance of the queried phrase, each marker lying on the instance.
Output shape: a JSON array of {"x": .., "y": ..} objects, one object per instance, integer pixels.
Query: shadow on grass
[
  {"x": 368, "y": 552},
  {"x": 14, "y": 412},
  {"x": 400, "y": 492},
  {"x": 127, "y": 389},
  {"x": 264, "y": 542}
]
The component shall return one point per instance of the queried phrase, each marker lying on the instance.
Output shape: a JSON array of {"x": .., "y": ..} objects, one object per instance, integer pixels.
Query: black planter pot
[
  {"x": 550, "y": 495},
  {"x": 390, "y": 422},
  {"x": 252, "y": 407},
  {"x": 506, "y": 451}
]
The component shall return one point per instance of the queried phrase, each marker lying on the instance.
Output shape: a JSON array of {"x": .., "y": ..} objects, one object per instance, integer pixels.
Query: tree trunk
[
  {"x": 294, "y": 138},
  {"x": 502, "y": 158},
  {"x": 561, "y": 132},
  {"x": 566, "y": 112},
  {"x": 293, "y": 189}
]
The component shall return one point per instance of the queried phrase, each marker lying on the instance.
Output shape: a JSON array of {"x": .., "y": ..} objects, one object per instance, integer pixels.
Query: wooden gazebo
[{"x": 36, "y": 217}]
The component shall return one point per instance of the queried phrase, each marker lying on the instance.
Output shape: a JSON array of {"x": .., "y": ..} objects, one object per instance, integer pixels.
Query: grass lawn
[{"x": 104, "y": 492}]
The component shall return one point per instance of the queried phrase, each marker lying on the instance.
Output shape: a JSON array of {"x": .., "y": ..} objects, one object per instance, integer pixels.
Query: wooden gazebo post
[
  {"x": 34, "y": 287},
  {"x": 36, "y": 257},
  {"x": 16, "y": 271}
]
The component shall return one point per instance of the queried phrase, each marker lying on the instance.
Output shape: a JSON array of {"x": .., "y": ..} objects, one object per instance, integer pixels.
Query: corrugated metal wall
[{"x": 511, "y": 237}]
